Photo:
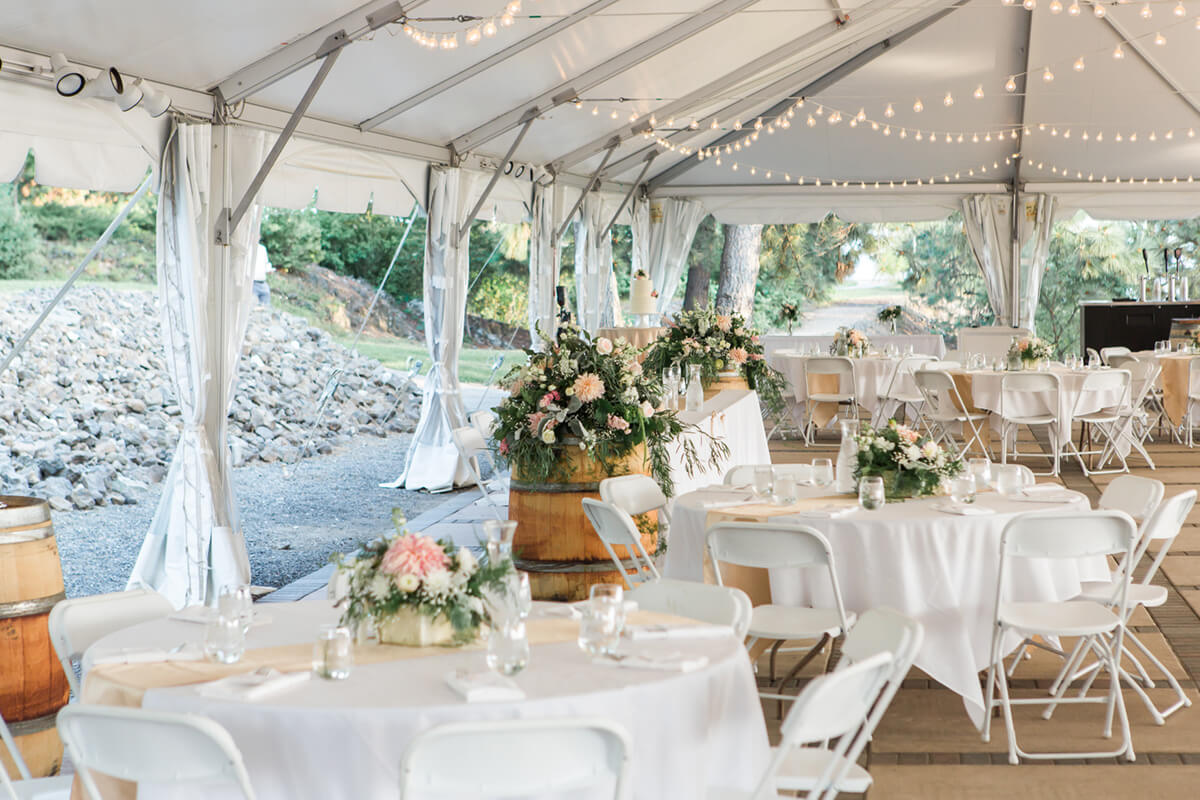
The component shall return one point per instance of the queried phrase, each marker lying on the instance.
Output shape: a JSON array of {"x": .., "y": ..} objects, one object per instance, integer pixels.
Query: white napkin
[
  {"x": 257, "y": 685},
  {"x": 964, "y": 510},
  {"x": 1042, "y": 488},
  {"x": 543, "y": 609},
  {"x": 639, "y": 633},
  {"x": 484, "y": 687},
  {"x": 827, "y": 512},
  {"x": 146, "y": 655},
  {"x": 581, "y": 605},
  {"x": 1043, "y": 494},
  {"x": 203, "y": 615},
  {"x": 668, "y": 662}
]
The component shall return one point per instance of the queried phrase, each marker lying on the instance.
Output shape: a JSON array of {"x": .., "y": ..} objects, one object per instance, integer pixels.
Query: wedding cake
[{"x": 641, "y": 295}]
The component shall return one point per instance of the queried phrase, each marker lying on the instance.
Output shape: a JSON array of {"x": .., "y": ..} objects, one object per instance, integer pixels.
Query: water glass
[
  {"x": 224, "y": 639},
  {"x": 764, "y": 481},
  {"x": 784, "y": 488},
  {"x": 499, "y": 535},
  {"x": 981, "y": 470},
  {"x": 602, "y": 621},
  {"x": 1008, "y": 479},
  {"x": 870, "y": 493},
  {"x": 333, "y": 653},
  {"x": 675, "y": 376},
  {"x": 962, "y": 489},
  {"x": 237, "y": 602},
  {"x": 822, "y": 472},
  {"x": 508, "y": 649}
]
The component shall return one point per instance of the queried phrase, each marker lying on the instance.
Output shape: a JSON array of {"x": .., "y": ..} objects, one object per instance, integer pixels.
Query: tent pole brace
[
  {"x": 465, "y": 228},
  {"x": 228, "y": 222},
  {"x": 590, "y": 184},
  {"x": 629, "y": 195}
]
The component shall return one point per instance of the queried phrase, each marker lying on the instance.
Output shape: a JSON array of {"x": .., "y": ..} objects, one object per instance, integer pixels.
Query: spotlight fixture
[
  {"x": 154, "y": 102},
  {"x": 68, "y": 80},
  {"x": 105, "y": 86},
  {"x": 129, "y": 97}
]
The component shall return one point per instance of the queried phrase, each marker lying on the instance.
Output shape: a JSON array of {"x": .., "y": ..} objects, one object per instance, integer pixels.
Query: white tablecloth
[
  {"x": 923, "y": 343},
  {"x": 345, "y": 739},
  {"x": 985, "y": 389},
  {"x": 733, "y": 416},
  {"x": 939, "y": 568},
  {"x": 871, "y": 376}
]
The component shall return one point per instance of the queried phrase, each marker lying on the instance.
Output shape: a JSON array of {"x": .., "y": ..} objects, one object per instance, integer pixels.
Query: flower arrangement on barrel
[
  {"x": 1029, "y": 351},
  {"x": 788, "y": 314},
  {"x": 416, "y": 590},
  {"x": 592, "y": 395},
  {"x": 849, "y": 342},
  {"x": 718, "y": 343},
  {"x": 910, "y": 464}
]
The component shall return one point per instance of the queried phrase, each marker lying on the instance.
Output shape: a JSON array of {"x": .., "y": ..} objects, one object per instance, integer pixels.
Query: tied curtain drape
[
  {"x": 543, "y": 263},
  {"x": 433, "y": 461},
  {"x": 987, "y": 220},
  {"x": 195, "y": 545},
  {"x": 595, "y": 281},
  {"x": 1037, "y": 224},
  {"x": 662, "y": 236}
]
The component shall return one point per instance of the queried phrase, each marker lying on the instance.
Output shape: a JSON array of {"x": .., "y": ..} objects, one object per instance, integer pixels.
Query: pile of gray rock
[{"x": 88, "y": 415}]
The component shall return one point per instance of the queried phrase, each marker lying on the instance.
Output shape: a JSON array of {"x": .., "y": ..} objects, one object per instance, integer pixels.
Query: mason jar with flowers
[
  {"x": 1029, "y": 353},
  {"x": 910, "y": 464},
  {"x": 850, "y": 342}
]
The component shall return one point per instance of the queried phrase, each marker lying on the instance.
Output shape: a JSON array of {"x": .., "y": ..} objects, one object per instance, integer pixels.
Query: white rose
[
  {"x": 647, "y": 409},
  {"x": 931, "y": 449},
  {"x": 407, "y": 582},
  {"x": 466, "y": 560},
  {"x": 380, "y": 588},
  {"x": 437, "y": 583},
  {"x": 604, "y": 346},
  {"x": 912, "y": 452},
  {"x": 548, "y": 436}
]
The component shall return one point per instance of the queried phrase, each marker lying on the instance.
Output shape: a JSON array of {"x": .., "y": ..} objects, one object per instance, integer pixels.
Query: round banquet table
[
  {"x": 985, "y": 391},
  {"x": 871, "y": 375},
  {"x": 327, "y": 739},
  {"x": 938, "y": 568}
]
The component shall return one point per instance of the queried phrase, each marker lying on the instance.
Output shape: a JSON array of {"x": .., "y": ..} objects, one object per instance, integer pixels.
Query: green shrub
[
  {"x": 292, "y": 238},
  {"x": 502, "y": 296},
  {"x": 20, "y": 251}
]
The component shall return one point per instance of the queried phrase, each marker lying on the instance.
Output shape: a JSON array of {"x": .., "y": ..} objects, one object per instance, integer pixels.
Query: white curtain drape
[
  {"x": 195, "y": 544},
  {"x": 1037, "y": 223},
  {"x": 662, "y": 236},
  {"x": 543, "y": 262},
  {"x": 433, "y": 461},
  {"x": 988, "y": 223},
  {"x": 595, "y": 282}
]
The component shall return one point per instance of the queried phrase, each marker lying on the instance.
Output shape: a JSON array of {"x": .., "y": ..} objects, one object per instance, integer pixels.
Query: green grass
[{"x": 474, "y": 365}]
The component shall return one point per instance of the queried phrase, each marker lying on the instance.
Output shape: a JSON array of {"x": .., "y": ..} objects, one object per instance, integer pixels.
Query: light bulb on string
[
  {"x": 889, "y": 112},
  {"x": 1073, "y": 10},
  {"x": 1056, "y": 7},
  {"x": 578, "y": 104},
  {"x": 1098, "y": 10},
  {"x": 1011, "y": 84},
  {"x": 506, "y": 20},
  {"x": 595, "y": 111},
  {"x": 489, "y": 28},
  {"x": 613, "y": 115},
  {"x": 1078, "y": 66},
  {"x": 474, "y": 35},
  {"x": 1179, "y": 10},
  {"x": 1118, "y": 53},
  {"x": 1159, "y": 39},
  {"x": 1146, "y": 12},
  {"x": 948, "y": 100},
  {"x": 1198, "y": 23},
  {"x": 1029, "y": 5},
  {"x": 514, "y": 7},
  {"x": 918, "y": 106},
  {"x": 1047, "y": 75},
  {"x": 979, "y": 92},
  {"x": 810, "y": 121}
]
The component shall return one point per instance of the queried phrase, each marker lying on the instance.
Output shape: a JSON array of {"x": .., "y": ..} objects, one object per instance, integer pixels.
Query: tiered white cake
[{"x": 641, "y": 299}]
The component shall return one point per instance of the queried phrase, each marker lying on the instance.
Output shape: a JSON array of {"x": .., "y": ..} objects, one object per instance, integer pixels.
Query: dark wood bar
[{"x": 1135, "y": 325}]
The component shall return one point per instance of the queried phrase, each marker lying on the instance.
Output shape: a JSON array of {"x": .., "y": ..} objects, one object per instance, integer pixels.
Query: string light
[
  {"x": 1147, "y": 12},
  {"x": 889, "y": 112},
  {"x": 948, "y": 100},
  {"x": 1074, "y": 9},
  {"x": 480, "y": 28},
  {"x": 979, "y": 92},
  {"x": 1179, "y": 10},
  {"x": 1011, "y": 84},
  {"x": 1078, "y": 66},
  {"x": 1159, "y": 39},
  {"x": 1098, "y": 10},
  {"x": 1055, "y": 7},
  {"x": 1047, "y": 75},
  {"x": 918, "y": 106},
  {"x": 1118, "y": 53}
]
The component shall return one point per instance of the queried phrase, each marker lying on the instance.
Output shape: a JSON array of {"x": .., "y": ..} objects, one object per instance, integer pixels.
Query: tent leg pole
[{"x": 95, "y": 251}]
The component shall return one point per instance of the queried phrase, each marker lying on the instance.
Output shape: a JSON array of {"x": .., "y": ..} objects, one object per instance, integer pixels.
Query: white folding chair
[
  {"x": 944, "y": 407},
  {"x": 1062, "y": 536},
  {"x": 1106, "y": 422},
  {"x": 1015, "y": 388},
  {"x": 880, "y": 630},
  {"x": 617, "y": 529},
  {"x": 900, "y": 392},
  {"x": 1144, "y": 411},
  {"x": 1108, "y": 352},
  {"x": 1162, "y": 526},
  {"x": 718, "y": 605},
  {"x": 782, "y": 546},
  {"x": 27, "y": 787},
  {"x": 1093, "y": 356},
  {"x": 743, "y": 474},
  {"x": 472, "y": 447},
  {"x": 831, "y": 706},
  {"x": 151, "y": 746},
  {"x": 845, "y": 395},
  {"x": 78, "y": 622},
  {"x": 638, "y": 494},
  {"x": 484, "y": 421},
  {"x": 518, "y": 758}
]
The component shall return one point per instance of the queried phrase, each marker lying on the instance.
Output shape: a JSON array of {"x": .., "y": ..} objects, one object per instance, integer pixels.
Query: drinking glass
[
  {"x": 764, "y": 480},
  {"x": 508, "y": 649},
  {"x": 962, "y": 489},
  {"x": 981, "y": 470},
  {"x": 602, "y": 621},
  {"x": 224, "y": 639},
  {"x": 870, "y": 493},
  {"x": 499, "y": 535},
  {"x": 236, "y": 602},
  {"x": 1008, "y": 479},
  {"x": 822, "y": 472},
  {"x": 784, "y": 488},
  {"x": 333, "y": 653}
]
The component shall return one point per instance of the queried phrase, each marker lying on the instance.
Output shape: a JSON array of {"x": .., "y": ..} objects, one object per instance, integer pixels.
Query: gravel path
[{"x": 294, "y": 516}]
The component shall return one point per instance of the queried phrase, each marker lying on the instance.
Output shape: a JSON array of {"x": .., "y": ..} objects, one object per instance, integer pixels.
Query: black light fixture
[{"x": 68, "y": 80}]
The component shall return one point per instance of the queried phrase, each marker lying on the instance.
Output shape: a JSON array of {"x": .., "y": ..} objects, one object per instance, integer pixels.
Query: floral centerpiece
[
  {"x": 416, "y": 590},
  {"x": 1029, "y": 351},
  {"x": 890, "y": 314},
  {"x": 910, "y": 464},
  {"x": 593, "y": 395},
  {"x": 788, "y": 314},
  {"x": 850, "y": 342},
  {"x": 718, "y": 343}
]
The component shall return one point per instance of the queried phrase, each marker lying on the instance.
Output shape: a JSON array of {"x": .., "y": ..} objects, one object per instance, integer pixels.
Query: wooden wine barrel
[
  {"x": 725, "y": 380},
  {"x": 32, "y": 684},
  {"x": 554, "y": 542},
  {"x": 1184, "y": 331}
]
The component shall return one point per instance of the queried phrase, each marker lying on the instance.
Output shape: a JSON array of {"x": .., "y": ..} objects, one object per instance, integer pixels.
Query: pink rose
[
  {"x": 414, "y": 555},
  {"x": 504, "y": 447},
  {"x": 604, "y": 345},
  {"x": 618, "y": 423},
  {"x": 754, "y": 338}
]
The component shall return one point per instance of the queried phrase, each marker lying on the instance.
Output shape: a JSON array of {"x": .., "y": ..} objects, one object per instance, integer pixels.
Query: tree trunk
[
  {"x": 739, "y": 269},
  {"x": 696, "y": 294}
]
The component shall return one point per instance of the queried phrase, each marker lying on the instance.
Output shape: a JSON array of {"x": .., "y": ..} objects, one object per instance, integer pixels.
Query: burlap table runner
[{"x": 1174, "y": 381}]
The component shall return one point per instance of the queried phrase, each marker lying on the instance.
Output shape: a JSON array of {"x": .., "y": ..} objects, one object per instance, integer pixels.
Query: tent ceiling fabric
[{"x": 194, "y": 47}]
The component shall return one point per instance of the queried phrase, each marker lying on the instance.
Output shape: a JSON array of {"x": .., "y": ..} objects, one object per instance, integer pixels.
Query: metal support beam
[
  {"x": 628, "y": 195},
  {"x": 1015, "y": 223},
  {"x": 227, "y": 222},
  {"x": 296, "y": 55},
  {"x": 703, "y": 96},
  {"x": 465, "y": 227},
  {"x": 591, "y": 183},
  {"x": 1139, "y": 48},
  {"x": 813, "y": 87},
  {"x": 622, "y": 62},
  {"x": 486, "y": 64}
]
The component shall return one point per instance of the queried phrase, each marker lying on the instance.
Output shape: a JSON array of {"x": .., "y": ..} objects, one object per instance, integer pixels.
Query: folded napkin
[
  {"x": 251, "y": 686},
  {"x": 1037, "y": 494},
  {"x": 145, "y": 655},
  {"x": 581, "y": 605},
  {"x": 667, "y": 662},
  {"x": 1043, "y": 488},
  {"x": 203, "y": 615},
  {"x": 484, "y": 687},
  {"x": 964, "y": 510},
  {"x": 639, "y": 633},
  {"x": 543, "y": 609},
  {"x": 826, "y": 512}
]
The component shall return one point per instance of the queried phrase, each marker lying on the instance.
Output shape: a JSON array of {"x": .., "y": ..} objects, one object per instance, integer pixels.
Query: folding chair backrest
[
  {"x": 841, "y": 366},
  {"x": 939, "y": 390},
  {"x": 1108, "y": 352},
  {"x": 743, "y": 474},
  {"x": 1123, "y": 360},
  {"x": 1163, "y": 526},
  {"x": 469, "y": 441},
  {"x": 1029, "y": 382},
  {"x": 75, "y": 624},
  {"x": 1136, "y": 496},
  {"x": 617, "y": 529},
  {"x": 1093, "y": 355},
  {"x": 484, "y": 421},
  {"x": 901, "y": 381},
  {"x": 1143, "y": 374},
  {"x": 765, "y": 545},
  {"x": 633, "y": 494},
  {"x": 512, "y": 758},
  {"x": 1110, "y": 381},
  {"x": 1076, "y": 534},
  {"x": 150, "y": 746},
  {"x": 882, "y": 630},
  {"x": 719, "y": 605}
]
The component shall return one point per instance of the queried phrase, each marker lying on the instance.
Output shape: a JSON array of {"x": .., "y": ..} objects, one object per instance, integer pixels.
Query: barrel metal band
[
  {"x": 28, "y": 608},
  {"x": 35, "y": 725},
  {"x": 571, "y": 566},
  {"x": 554, "y": 488}
]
